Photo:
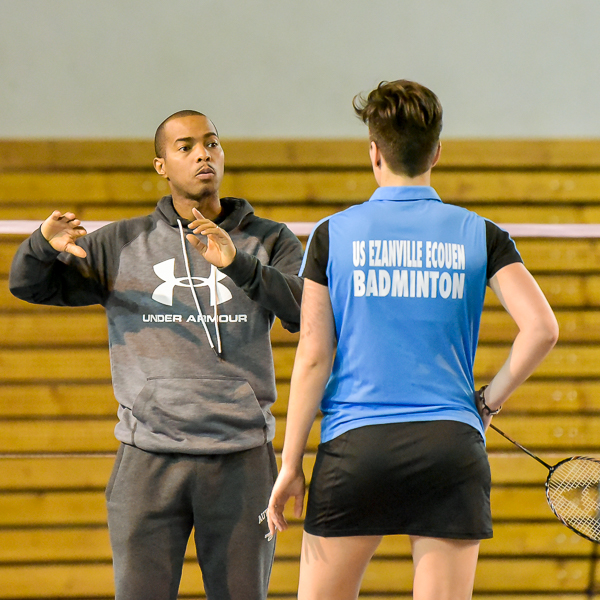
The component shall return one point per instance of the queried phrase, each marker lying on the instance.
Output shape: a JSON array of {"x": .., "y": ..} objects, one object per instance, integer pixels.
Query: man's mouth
[{"x": 205, "y": 173}]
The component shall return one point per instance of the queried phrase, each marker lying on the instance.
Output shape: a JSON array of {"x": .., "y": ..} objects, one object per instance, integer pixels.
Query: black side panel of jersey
[
  {"x": 317, "y": 255},
  {"x": 501, "y": 249}
]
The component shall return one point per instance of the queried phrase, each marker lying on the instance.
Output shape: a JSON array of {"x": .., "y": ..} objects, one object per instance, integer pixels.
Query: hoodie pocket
[{"x": 201, "y": 414}]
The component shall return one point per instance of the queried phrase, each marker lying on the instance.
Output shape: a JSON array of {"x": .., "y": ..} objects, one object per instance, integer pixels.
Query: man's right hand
[{"x": 62, "y": 231}]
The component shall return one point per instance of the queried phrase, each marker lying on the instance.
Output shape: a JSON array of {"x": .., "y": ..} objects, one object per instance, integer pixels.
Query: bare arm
[
  {"x": 312, "y": 368},
  {"x": 521, "y": 296}
]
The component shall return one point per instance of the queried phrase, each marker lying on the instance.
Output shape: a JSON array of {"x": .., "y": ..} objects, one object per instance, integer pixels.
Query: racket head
[{"x": 573, "y": 494}]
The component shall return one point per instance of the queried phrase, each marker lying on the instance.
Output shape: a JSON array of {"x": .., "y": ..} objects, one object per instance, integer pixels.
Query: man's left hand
[{"x": 219, "y": 249}]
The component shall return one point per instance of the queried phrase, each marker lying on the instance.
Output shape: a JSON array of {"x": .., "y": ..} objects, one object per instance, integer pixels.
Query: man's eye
[
  {"x": 212, "y": 144},
  {"x": 183, "y": 148}
]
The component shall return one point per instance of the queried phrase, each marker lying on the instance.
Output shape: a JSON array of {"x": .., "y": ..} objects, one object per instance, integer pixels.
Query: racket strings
[{"x": 573, "y": 493}]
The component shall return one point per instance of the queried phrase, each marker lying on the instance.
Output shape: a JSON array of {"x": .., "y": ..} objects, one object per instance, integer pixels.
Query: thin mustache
[{"x": 204, "y": 168}]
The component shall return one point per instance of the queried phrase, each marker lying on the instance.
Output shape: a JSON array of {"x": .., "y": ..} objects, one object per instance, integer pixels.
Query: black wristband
[{"x": 484, "y": 405}]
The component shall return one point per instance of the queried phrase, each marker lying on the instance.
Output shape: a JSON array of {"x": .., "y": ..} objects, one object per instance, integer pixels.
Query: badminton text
[{"x": 432, "y": 269}]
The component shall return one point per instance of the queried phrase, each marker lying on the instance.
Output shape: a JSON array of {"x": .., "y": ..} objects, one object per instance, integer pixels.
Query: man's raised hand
[
  {"x": 219, "y": 249},
  {"x": 62, "y": 231}
]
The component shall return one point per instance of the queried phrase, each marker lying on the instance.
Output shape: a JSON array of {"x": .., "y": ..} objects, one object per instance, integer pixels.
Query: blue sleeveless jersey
[{"x": 407, "y": 278}]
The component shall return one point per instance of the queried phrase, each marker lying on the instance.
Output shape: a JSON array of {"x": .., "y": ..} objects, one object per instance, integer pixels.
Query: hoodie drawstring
[
  {"x": 216, "y": 310},
  {"x": 195, "y": 296}
]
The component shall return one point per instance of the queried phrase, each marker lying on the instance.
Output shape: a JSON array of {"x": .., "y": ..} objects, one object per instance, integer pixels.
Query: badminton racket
[{"x": 572, "y": 491}]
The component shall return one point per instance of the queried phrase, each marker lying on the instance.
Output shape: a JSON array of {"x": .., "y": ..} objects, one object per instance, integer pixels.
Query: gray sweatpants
[{"x": 154, "y": 501}]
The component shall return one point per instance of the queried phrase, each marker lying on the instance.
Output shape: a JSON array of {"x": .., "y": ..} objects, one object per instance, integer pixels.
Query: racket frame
[{"x": 551, "y": 469}]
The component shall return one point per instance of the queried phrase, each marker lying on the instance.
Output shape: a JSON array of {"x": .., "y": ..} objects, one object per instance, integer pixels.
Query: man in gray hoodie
[{"x": 191, "y": 292}]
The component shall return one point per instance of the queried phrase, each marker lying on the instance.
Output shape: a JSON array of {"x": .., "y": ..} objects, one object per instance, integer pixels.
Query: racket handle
[{"x": 521, "y": 447}]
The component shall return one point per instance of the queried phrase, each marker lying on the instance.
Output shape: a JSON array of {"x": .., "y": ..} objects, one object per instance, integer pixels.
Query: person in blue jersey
[{"x": 392, "y": 300}]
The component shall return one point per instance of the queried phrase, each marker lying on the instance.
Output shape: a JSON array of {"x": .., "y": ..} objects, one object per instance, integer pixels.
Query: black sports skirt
[{"x": 429, "y": 478}]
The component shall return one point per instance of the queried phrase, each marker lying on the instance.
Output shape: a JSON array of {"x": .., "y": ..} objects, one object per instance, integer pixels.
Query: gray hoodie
[{"x": 190, "y": 349}]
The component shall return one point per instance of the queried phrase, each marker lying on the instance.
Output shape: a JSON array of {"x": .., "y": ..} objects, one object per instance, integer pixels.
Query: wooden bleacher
[{"x": 57, "y": 411}]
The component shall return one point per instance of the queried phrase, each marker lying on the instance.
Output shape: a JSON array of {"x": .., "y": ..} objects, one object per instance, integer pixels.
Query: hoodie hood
[{"x": 235, "y": 211}]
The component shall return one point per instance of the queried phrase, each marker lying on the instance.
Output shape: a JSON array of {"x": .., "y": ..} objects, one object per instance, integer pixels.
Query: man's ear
[
  {"x": 375, "y": 155},
  {"x": 159, "y": 167}
]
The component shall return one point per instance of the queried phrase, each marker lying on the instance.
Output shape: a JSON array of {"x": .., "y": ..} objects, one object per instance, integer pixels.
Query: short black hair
[{"x": 159, "y": 136}]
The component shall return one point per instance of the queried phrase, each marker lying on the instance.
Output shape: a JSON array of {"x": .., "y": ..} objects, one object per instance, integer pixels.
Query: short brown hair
[{"x": 405, "y": 121}]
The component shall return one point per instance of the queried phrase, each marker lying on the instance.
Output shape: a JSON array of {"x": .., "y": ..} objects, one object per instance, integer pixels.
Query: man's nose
[{"x": 202, "y": 154}]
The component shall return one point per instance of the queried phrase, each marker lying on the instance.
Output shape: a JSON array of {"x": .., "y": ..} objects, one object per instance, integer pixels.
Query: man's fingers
[
  {"x": 198, "y": 223},
  {"x": 75, "y": 250},
  {"x": 194, "y": 241},
  {"x": 79, "y": 231},
  {"x": 57, "y": 222},
  {"x": 210, "y": 229}
]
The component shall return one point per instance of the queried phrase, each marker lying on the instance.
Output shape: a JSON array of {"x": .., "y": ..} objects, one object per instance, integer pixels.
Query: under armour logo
[{"x": 166, "y": 271}]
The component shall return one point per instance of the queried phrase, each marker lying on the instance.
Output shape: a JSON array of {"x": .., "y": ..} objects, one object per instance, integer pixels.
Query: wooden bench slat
[
  {"x": 80, "y": 364},
  {"x": 292, "y": 211},
  {"x": 52, "y": 509},
  {"x": 77, "y": 435},
  {"x": 533, "y": 396},
  {"x": 575, "y": 326},
  {"x": 56, "y": 581},
  {"x": 52, "y": 154},
  {"x": 564, "y": 361},
  {"x": 86, "y": 211},
  {"x": 41, "y": 155},
  {"x": 76, "y": 544},
  {"x": 55, "y": 473},
  {"x": 540, "y": 255},
  {"x": 96, "y": 435},
  {"x": 543, "y": 154},
  {"x": 307, "y": 186},
  {"x": 69, "y": 472},
  {"x": 83, "y": 507},
  {"x": 493, "y": 575},
  {"x": 562, "y": 290},
  {"x": 555, "y": 255},
  {"x": 476, "y": 596},
  {"x": 97, "y": 400},
  {"x": 58, "y": 329},
  {"x": 556, "y": 432},
  {"x": 78, "y": 399},
  {"x": 77, "y": 327},
  {"x": 73, "y": 364},
  {"x": 90, "y": 328},
  {"x": 49, "y": 400},
  {"x": 90, "y": 186}
]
